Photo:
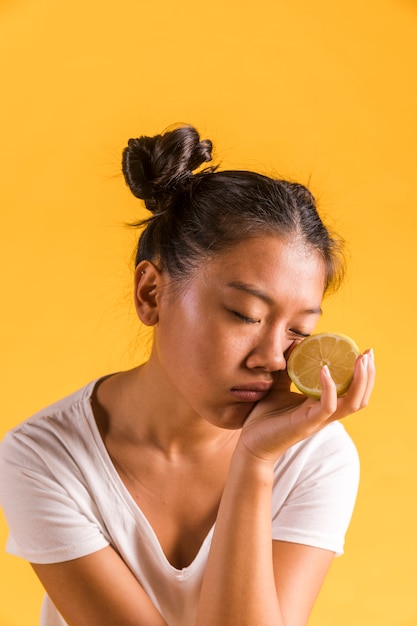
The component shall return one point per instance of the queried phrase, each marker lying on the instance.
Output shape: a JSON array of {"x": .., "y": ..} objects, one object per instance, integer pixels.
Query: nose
[{"x": 269, "y": 353}]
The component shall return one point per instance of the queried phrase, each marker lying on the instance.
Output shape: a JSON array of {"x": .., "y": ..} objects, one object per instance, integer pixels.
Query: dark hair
[{"x": 195, "y": 215}]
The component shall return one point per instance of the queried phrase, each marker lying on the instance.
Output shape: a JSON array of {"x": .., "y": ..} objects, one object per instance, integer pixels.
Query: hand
[{"x": 284, "y": 418}]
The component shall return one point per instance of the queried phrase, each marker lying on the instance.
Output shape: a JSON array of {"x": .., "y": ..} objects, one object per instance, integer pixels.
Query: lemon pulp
[{"x": 339, "y": 352}]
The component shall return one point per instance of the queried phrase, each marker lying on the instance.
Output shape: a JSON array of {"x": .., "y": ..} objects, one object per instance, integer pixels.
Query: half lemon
[{"x": 339, "y": 352}]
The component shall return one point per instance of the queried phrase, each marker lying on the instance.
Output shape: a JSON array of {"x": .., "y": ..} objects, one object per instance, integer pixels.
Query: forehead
[
  {"x": 270, "y": 268},
  {"x": 268, "y": 262}
]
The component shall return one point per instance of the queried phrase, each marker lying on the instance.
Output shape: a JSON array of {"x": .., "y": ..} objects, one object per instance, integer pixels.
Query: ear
[{"x": 148, "y": 280}]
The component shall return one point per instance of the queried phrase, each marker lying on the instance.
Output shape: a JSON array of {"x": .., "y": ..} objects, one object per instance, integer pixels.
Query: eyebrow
[{"x": 254, "y": 291}]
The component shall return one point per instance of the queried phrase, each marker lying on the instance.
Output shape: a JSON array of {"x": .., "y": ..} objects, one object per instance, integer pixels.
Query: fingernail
[
  {"x": 365, "y": 359},
  {"x": 327, "y": 371}
]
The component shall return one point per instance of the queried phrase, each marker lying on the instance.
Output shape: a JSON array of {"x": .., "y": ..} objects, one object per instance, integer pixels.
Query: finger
[
  {"x": 322, "y": 411},
  {"x": 328, "y": 400},
  {"x": 371, "y": 378},
  {"x": 359, "y": 390}
]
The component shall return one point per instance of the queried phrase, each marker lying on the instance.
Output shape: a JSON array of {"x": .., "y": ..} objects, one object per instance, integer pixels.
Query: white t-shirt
[{"x": 63, "y": 499}]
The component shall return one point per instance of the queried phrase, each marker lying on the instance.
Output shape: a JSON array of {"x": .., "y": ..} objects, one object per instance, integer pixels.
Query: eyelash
[
  {"x": 249, "y": 320},
  {"x": 297, "y": 332},
  {"x": 243, "y": 318}
]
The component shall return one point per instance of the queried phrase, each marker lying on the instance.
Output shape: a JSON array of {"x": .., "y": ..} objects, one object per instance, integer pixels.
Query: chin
[{"x": 230, "y": 418}]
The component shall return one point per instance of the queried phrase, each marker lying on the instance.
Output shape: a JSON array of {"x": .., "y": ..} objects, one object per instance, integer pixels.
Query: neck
[{"x": 142, "y": 408}]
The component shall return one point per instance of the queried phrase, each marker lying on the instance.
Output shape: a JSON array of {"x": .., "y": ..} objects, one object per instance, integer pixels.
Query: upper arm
[
  {"x": 299, "y": 574},
  {"x": 98, "y": 590}
]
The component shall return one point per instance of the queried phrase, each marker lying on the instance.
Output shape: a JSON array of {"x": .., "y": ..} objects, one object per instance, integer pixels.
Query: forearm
[{"x": 239, "y": 586}]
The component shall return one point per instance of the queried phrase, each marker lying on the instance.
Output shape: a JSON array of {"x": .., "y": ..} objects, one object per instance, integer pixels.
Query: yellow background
[{"x": 321, "y": 91}]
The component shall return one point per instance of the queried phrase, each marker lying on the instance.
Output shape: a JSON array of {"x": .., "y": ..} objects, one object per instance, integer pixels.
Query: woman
[{"x": 197, "y": 489}]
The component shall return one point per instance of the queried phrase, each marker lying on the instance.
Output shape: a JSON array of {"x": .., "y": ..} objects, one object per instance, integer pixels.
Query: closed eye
[
  {"x": 243, "y": 318},
  {"x": 298, "y": 333}
]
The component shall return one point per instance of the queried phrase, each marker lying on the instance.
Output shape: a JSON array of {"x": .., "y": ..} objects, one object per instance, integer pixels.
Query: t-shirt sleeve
[
  {"x": 49, "y": 509},
  {"x": 315, "y": 490}
]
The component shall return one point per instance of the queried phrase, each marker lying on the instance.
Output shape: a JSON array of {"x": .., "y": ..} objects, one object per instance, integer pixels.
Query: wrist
[{"x": 252, "y": 466}]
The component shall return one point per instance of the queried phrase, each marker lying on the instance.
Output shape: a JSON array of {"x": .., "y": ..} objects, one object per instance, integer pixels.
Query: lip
[{"x": 252, "y": 392}]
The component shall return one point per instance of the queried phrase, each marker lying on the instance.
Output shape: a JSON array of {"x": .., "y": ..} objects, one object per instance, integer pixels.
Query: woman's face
[{"x": 221, "y": 341}]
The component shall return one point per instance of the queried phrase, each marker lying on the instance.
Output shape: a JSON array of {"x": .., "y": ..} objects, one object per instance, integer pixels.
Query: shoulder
[
  {"x": 325, "y": 451},
  {"x": 328, "y": 460},
  {"x": 49, "y": 430},
  {"x": 50, "y": 460},
  {"x": 315, "y": 489}
]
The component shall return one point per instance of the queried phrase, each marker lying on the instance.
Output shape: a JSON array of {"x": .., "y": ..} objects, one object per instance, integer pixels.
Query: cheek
[
  {"x": 197, "y": 340},
  {"x": 291, "y": 348},
  {"x": 232, "y": 348},
  {"x": 216, "y": 354}
]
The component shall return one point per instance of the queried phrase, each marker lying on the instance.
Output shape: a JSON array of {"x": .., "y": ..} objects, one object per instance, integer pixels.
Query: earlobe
[{"x": 147, "y": 283}]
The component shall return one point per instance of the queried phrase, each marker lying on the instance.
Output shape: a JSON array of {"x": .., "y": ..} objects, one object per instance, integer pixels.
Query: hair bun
[{"x": 163, "y": 165}]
